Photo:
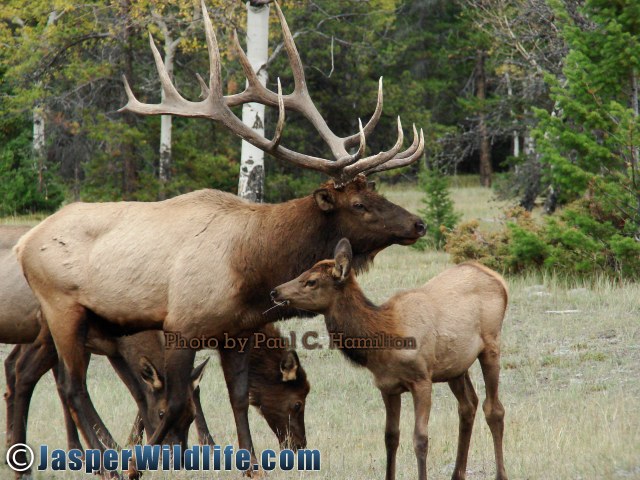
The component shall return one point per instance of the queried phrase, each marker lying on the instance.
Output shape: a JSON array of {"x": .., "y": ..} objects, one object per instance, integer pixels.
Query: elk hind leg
[
  {"x": 493, "y": 409},
  {"x": 67, "y": 323},
  {"x": 10, "y": 376},
  {"x": 464, "y": 392}
]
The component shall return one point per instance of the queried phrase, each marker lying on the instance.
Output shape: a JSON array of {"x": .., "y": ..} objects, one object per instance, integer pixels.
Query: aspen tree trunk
[
  {"x": 251, "y": 182},
  {"x": 485, "y": 147},
  {"x": 38, "y": 144},
  {"x": 166, "y": 124}
]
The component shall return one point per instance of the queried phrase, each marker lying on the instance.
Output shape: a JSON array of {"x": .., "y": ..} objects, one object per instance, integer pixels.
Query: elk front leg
[
  {"x": 493, "y": 409},
  {"x": 393, "y": 405},
  {"x": 421, "y": 392},
  {"x": 463, "y": 390},
  {"x": 235, "y": 366},
  {"x": 204, "y": 435}
]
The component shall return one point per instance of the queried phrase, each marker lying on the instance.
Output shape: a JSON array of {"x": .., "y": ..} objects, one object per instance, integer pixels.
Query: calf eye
[
  {"x": 161, "y": 414},
  {"x": 311, "y": 283},
  {"x": 297, "y": 407}
]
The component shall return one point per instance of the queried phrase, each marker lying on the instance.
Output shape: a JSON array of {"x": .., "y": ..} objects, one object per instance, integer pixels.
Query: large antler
[{"x": 216, "y": 106}]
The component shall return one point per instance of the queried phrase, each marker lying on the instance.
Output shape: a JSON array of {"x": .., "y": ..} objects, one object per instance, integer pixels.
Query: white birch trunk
[
  {"x": 166, "y": 123},
  {"x": 516, "y": 139},
  {"x": 251, "y": 182}
]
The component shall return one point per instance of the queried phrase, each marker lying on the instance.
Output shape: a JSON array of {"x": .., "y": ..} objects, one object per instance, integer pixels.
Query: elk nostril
[
  {"x": 420, "y": 227},
  {"x": 274, "y": 293}
]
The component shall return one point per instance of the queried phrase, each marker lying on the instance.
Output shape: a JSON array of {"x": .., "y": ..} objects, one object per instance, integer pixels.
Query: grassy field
[{"x": 570, "y": 384}]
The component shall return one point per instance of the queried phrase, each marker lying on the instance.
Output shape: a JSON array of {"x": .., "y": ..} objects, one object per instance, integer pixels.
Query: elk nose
[
  {"x": 274, "y": 293},
  {"x": 421, "y": 228}
]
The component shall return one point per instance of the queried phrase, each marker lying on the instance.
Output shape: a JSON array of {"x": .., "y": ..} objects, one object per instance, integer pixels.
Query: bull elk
[
  {"x": 203, "y": 263},
  {"x": 448, "y": 323},
  {"x": 278, "y": 386}
]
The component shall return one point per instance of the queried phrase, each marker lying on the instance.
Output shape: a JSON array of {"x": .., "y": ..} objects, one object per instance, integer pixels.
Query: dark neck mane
[{"x": 285, "y": 240}]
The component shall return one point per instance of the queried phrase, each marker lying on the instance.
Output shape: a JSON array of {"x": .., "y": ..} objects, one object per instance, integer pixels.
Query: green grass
[{"x": 570, "y": 384}]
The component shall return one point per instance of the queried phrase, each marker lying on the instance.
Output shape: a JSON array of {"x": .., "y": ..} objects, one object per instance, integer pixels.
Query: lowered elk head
[
  {"x": 280, "y": 396},
  {"x": 155, "y": 401}
]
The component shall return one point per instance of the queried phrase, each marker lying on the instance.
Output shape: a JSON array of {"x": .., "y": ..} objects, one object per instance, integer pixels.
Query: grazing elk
[
  {"x": 278, "y": 385},
  {"x": 203, "y": 263},
  {"x": 448, "y": 323}
]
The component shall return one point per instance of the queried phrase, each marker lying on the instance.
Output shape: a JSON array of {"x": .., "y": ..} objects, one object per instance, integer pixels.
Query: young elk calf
[{"x": 452, "y": 320}]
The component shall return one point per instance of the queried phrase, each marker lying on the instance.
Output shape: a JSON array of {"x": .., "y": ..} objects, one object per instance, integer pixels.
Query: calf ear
[
  {"x": 196, "y": 374},
  {"x": 289, "y": 366},
  {"x": 342, "y": 256},
  {"x": 150, "y": 374},
  {"x": 325, "y": 199}
]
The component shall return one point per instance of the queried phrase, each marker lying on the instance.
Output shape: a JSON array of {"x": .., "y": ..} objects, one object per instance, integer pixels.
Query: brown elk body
[
  {"x": 202, "y": 264},
  {"x": 447, "y": 324},
  {"x": 138, "y": 360}
]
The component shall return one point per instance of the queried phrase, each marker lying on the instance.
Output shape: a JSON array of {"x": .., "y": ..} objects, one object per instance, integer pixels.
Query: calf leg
[
  {"x": 421, "y": 392},
  {"x": 204, "y": 436},
  {"x": 10, "y": 375},
  {"x": 493, "y": 409},
  {"x": 392, "y": 405},
  {"x": 464, "y": 392}
]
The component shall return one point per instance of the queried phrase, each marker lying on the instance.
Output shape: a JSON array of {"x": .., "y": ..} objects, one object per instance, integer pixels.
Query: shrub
[{"x": 438, "y": 214}]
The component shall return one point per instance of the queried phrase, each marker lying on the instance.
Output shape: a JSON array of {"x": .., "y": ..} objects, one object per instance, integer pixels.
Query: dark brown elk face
[
  {"x": 280, "y": 398},
  {"x": 156, "y": 403},
  {"x": 366, "y": 218},
  {"x": 315, "y": 289}
]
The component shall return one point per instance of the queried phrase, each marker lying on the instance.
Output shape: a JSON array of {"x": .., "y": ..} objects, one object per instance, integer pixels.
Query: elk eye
[
  {"x": 161, "y": 414},
  {"x": 297, "y": 407},
  {"x": 311, "y": 283},
  {"x": 359, "y": 206}
]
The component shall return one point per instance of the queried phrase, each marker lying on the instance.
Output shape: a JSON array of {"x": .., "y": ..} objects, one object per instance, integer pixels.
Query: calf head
[
  {"x": 280, "y": 396},
  {"x": 155, "y": 400},
  {"x": 315, "y": 289}
]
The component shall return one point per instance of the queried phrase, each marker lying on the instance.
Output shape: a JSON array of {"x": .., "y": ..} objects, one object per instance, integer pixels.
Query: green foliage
[
  {"x": 20, "y": 189},
  {"x": 438, "y": 213},
  {"x": 583, "y": 240},
  {"x": 591, "y": 142}
]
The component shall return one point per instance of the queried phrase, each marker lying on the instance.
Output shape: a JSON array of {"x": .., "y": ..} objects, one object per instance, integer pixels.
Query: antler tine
[
  {"x": 215, "y": 81},
  {"x": 300, "y": 82},
  {"x": 401, "y": 162},
  {"x": 343, "y": 162},
  {"x": 277, "y": 136},
  {"x": 351, "y": 141},
  {"x": 204, "y": 88},
  {"x": 379, "y": 159}
]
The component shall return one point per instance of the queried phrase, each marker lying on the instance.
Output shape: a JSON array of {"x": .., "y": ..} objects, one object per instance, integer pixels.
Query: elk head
[
  {"x": 280, "y": 397},
  {"x": 156, "y": 402},
  {"x": 314, "y": 289},
  {"x": 345, "y": 166}
]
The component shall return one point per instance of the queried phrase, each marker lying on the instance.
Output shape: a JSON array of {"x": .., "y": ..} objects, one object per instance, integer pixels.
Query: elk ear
[
  {"x": 289, "y": 366},
  {"x": 197, "y": 373},
  {"x": 150, "y": 374},
  {"x": 325, "y": 199},
  {"x": 342, "y": 256}
]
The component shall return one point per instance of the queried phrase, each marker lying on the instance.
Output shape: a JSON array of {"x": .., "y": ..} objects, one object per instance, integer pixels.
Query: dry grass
[{"x": 570, "y": 385}]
